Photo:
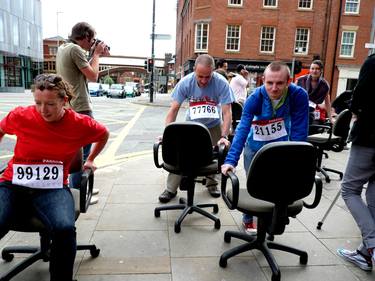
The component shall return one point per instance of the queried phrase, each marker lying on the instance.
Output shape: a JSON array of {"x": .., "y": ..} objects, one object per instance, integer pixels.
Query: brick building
[
  {"x": 50, "y": 46},
  {"x": 257, "y": 32}
]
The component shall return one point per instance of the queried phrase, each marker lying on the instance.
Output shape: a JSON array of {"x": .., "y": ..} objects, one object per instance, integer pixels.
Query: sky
[{"x": 125, "y": 25}]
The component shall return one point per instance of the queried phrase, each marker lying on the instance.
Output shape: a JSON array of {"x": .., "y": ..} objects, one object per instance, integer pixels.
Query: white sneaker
[
  {"x": 94, "y": 200},
  {"x": 356, "y": 258},
  {"x": 95, "y": 191}
]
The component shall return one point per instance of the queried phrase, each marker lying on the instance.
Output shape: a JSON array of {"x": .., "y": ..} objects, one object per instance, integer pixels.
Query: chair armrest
[
  {"x": 318, "y": 194},
  {"x": 235, "y": 189},
  {"x": 156, "y": 154},
  {"x": 219, "y": 153},
  {"x": 323, "y": 127},
  {"x": 85, "y": 194}
]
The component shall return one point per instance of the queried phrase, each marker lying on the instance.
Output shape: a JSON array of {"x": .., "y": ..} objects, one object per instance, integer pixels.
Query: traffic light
[
  {"x": 146, "y": 65},
  {"x": 150, "y": 65}
]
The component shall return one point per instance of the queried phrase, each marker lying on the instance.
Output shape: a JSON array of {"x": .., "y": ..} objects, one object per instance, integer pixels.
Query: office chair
[
  {"x": 331, "y": 139},
  {"x": 236, "y": 118},
  {"x": 272, "y": 195},
  {"x": 187, "y": 151},
  {"x": 30, "y": 223}
]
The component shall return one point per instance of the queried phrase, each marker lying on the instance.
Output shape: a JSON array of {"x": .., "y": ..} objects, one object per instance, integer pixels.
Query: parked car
[
  {"x": 116, "y": 90},
  {"x": 129, "y": 91},
  {"x": 105, "y": 89},
  {"x": 95, "y": 89}
]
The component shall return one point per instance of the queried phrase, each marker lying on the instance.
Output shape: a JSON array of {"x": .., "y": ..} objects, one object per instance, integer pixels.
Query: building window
[
  {"x": 2, "y": 28},
  {"x": 267, "y": 39},
  {"x": 347, "y": 44},
  {"x": 270, "y": 3},
  {"x": 16, "y": 32},
  {"x": 201, "y": 37},
  {"x": 52, "y": 50},
  {"x": 305, "y": 4},
  {"x": 233, "y": 38},
  {"x": 235, "y": 3},
  {"x": 352, "y": 7},
  {"x": 301, "y": 46}
]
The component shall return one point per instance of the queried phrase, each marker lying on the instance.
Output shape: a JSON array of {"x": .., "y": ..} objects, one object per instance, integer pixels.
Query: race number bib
[
  {"x": 312, "y": 104},
  {"x": 203, "y": 109},
  {"x": 268, "y": 130},
  {"x": 44, "y": 175}
]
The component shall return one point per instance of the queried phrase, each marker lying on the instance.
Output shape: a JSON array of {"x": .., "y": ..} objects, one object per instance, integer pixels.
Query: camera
[{"x": 97, "y": 41}]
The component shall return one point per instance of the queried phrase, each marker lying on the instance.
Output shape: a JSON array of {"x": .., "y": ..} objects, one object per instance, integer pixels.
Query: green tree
[{"x": 108, "y": 80}]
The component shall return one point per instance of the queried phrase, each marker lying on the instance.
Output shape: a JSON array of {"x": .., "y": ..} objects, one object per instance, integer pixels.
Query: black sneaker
[
  {"x": 214, "y": 191},
  {"x": 167, "y": 196}
]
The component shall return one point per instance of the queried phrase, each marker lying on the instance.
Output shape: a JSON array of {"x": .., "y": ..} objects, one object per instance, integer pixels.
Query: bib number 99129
[{"x": 38, "y": 175}]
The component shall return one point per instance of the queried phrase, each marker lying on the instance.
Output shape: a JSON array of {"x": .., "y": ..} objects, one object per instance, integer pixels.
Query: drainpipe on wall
[
  {"x": 326, "y": 31},
  {"x": 336, "y": 46}
]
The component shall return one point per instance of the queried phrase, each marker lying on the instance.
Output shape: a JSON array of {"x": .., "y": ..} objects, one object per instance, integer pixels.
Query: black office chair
[
  {"x": 331, "y": 138},
  {"x": 187, "y": 151},
  {"x": 273, "y": 195},
  {"x": 236, "y": 118},
  {"x": 30, "y": 223}
]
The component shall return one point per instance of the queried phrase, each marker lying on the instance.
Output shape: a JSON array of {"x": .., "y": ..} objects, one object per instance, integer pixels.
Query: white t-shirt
[{"x": 238, "y": 85}]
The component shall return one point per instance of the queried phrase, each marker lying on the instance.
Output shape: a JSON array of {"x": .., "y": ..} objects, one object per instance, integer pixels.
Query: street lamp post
[
  {"x": 152, "y": 53},
  {"x": 57, "y": 27}
]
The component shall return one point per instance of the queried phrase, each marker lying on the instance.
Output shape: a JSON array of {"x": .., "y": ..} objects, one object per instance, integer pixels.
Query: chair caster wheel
[
  {"x": 177, "y": 228},
  {"x": 227, "y": 237},
  {"x": 319, "y": 226},
  {"x": 328, "y": 180},
  {"x": 95, "y": 252},
  {"x": 223, "y": 262},
  {"x": 181, "y": 201},
  {"x": 157, "y": 213},
  {"x": 216, "y": 209},
  {"x": 303, "y": 259},
  {"x": 217, "y": 224},
  {"x": 7, "y": 257},
  {"x": 271, "y": 238},
  {"x": 275, "y": 277}
]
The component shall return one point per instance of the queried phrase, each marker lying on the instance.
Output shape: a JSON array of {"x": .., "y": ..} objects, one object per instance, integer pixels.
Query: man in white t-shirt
[{"x": 239, "y": 84}]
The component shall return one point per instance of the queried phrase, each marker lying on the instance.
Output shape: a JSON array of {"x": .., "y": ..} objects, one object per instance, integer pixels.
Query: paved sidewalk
[{"x": 137, "y": 246}]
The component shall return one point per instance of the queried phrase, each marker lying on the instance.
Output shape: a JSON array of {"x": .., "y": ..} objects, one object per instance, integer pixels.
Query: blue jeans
[
  {"x": 55, "y": 209},
  {"x": 248, "y": 156},
  {"x": 75, "y": 178},
  {"x": 360, "y": 170}
]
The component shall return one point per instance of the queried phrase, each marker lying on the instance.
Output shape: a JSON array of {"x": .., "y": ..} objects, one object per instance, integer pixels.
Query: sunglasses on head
[{"x": 46, "y": 81}]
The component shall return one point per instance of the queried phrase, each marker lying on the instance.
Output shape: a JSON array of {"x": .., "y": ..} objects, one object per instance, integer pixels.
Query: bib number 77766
[{"x": 203, "y": 110}]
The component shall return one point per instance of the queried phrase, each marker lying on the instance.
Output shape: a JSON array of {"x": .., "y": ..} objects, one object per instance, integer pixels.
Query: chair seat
[
  {"x": 30, "y": 223},
  {"x": 202, "y": 171},
  {"x": 249, "y": 204},
  {"x": 322, "y": 138}
]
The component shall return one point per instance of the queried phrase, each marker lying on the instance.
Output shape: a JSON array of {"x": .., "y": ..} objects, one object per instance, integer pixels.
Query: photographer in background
[
  {"x": 73, "y": 65},
  {"x": 239, "y": 84}
]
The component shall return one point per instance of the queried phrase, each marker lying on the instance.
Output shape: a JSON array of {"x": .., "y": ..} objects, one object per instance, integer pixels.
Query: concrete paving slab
[
  {"x": 208, "y": 269},
  {"x": 131, "y": 217}
]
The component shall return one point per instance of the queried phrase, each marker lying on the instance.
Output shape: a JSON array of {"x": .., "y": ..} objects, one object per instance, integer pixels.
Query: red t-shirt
[{"x": 39, "y": 141}]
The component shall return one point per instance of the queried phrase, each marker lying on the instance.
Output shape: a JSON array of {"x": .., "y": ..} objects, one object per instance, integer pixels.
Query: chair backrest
[
  {"x": 187, "y": 146},
  {"x": 282, "y": 172},
  {"x": 341, "y": 126},
  {"x": 236, "y": 114}
]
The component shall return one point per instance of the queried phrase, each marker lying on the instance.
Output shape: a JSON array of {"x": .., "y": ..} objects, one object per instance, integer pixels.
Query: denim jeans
[
  {"x": 248, "y": 156},
  {"x": 75, "y": 178},
  {"x": 360, "y": 170},
  {"x": 55, "y": 209}
]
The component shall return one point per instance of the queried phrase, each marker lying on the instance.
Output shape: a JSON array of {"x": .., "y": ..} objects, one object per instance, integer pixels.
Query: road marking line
[
  {"x": 6, "y": 156},
  {"x": 108, "y": 155}
]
